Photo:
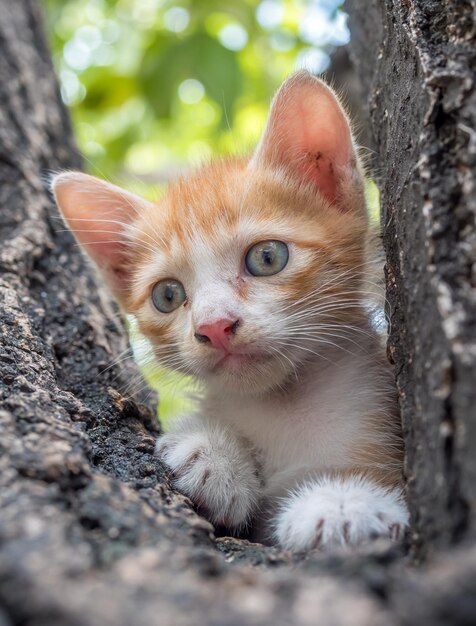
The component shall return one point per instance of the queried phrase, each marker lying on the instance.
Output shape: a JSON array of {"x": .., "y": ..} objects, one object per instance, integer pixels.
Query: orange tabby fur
[{"x": 304, "y": 187}]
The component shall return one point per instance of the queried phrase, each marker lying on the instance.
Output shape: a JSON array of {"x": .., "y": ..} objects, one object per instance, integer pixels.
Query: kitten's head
[{"x": 241, "y": 271}]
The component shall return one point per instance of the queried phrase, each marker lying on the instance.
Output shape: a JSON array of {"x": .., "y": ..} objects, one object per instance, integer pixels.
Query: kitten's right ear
[
  {"x": 308, "y": 134},
  {"x": 100, "y": 215}
]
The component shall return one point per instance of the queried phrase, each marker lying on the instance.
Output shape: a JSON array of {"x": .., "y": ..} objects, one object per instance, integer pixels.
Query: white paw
[
  {"x": 210, "y": 467},
  {"x": 338, "y": 512}
]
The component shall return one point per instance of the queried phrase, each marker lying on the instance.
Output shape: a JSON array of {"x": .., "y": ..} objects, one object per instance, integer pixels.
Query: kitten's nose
[{"x": 217, "y": 333}]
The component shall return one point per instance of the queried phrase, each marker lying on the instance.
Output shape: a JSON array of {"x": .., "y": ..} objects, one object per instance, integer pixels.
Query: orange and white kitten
[{"x": 252, "y": 275}]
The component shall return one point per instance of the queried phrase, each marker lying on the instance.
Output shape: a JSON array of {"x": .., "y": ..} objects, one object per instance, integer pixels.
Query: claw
[
  {"x": 319, "y": 530},
  {"x": 395, "y": 530},
  {"x": 345, "y": 531}
]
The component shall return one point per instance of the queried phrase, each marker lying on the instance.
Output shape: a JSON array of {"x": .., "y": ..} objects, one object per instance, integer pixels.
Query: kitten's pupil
[
  {"x": 168, "y": 295},
  {"x": 268, "y": 257}
]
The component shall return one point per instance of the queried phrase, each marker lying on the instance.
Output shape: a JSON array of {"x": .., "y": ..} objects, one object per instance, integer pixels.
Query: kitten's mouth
[
  {"x": 236, "y": 359},
  {"x": 251, "y": 371}
]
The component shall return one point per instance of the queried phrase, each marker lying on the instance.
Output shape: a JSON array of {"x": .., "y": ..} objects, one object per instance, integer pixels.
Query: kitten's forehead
[
  {"x": 208, "y": 217},
  {"x": 205, "y": 224},
  {"x": 227, "y": 202},
  {"x": 215, "y": 255}
]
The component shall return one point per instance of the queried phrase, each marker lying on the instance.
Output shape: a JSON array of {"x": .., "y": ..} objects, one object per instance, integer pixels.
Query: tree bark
[
  {"x": 91, "y": 531},
  {"x": 417, "y": 64}
]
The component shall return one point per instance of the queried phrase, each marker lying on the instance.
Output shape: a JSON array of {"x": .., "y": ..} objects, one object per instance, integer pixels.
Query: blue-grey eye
[
  {"x": 267, "y": 258},
  {"x": 168, "y": 295}
]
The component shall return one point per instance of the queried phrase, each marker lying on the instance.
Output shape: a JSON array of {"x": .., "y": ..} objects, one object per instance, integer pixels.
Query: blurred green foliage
[
  {"x": 177, "y": 392},
  {"x": 153, "y": 85}
]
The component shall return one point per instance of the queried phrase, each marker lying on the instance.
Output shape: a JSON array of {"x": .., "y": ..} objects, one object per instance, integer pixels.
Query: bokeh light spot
[
  {"x": 176, "y": 19},
  {"x": 233, "y": 36},
  {"x": 270, "y": 13},
  {"x": 191, "y": 91},
  {"x": 314, "y": 60}
]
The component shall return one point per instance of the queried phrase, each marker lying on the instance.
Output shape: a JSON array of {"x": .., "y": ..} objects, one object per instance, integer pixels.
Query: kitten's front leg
[
  {"x": 213, "y": 468},
  {"x": 339, "y": 511}
]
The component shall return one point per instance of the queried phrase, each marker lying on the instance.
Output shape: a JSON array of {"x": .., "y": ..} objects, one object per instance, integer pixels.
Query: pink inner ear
[
  {"x": 308, "y": 133},
  {"x": 99, "y": 215}
]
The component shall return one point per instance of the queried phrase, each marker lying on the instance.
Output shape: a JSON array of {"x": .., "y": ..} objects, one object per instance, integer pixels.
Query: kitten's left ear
[
  {"x": 308, "y": 134},
  {"x": 101, "y": 217}
]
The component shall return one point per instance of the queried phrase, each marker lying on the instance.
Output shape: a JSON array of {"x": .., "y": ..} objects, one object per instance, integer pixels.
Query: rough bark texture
[
  {"x": 417, "y": 64},
  {"x": 91, "y": 532}
]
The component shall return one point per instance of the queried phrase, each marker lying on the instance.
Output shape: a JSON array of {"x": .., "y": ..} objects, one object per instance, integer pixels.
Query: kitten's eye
[
  {"x": 168, "y": 295},
  {"x": 267, "y": 258}
]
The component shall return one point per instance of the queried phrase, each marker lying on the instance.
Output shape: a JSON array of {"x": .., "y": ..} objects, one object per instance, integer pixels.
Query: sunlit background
[
  {"x": 156, "y": 86},
  {"x": 153, "y": 84}
]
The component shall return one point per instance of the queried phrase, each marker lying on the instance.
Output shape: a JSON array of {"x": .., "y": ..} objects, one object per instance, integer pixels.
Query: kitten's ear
[
  {"x": 100, "y": 215},
  {"x": 308, "y": 133}
]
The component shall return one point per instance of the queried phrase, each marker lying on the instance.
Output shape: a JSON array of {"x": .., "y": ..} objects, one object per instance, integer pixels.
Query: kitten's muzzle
[{"x": 218, "y": 333}]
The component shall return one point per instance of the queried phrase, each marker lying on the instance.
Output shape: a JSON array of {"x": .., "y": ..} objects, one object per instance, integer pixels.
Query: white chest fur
[{"x": 313, "y": 426}]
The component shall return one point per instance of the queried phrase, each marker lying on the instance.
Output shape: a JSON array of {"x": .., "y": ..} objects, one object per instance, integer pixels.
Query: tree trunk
[
  {"x": 417, "y": 64},
  {"x": 91, "y": 532}
]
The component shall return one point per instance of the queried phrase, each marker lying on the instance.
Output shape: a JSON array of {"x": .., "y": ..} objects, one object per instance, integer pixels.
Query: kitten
[{"x": 252, "y": 275}]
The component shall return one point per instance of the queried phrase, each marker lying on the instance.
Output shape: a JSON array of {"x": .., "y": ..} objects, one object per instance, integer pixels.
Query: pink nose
[{"x": 217, "y": 333}]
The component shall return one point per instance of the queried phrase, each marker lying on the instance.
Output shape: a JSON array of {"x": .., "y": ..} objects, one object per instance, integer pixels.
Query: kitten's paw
[
  {"x": 211, "y": 468},
  {"x": 338, "y": 512}
]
